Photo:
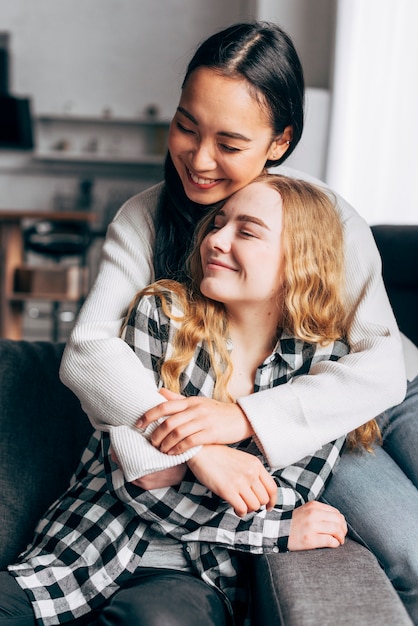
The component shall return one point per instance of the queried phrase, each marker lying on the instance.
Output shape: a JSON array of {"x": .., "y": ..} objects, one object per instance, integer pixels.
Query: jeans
[
  {"x": 153, "y": 597},
  {"x": 378, "y": 494}
]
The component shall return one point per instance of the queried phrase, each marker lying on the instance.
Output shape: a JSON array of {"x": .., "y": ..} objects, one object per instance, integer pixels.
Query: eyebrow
[
  {"x": 222, "y": 133},
  {"x": 247, "y": 218}
]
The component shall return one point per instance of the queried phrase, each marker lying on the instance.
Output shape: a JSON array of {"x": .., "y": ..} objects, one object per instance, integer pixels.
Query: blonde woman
[{"x": 264, "y": 285}]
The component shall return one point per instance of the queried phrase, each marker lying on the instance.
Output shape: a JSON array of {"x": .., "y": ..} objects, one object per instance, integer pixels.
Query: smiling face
[
  {"x": 242, "y": 255},
  {"x": 220, "y": 137}
]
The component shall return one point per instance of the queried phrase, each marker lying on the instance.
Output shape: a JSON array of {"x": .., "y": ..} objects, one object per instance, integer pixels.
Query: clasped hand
[
  {"x": 193, "y": 422},
  {"x": 236, "y": 476}
]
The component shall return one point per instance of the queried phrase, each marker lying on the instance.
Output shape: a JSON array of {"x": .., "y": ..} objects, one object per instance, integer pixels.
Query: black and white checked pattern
[{"x": 92, "y": 539}]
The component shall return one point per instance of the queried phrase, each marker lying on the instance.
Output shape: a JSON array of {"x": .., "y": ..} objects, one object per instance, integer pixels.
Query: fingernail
[{"x": 140, "y": 423}]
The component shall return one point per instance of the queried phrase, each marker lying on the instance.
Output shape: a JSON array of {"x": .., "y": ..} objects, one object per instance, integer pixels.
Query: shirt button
[
  {"x": 275, "y": 549},
  {"x": 188, "y": 549}
]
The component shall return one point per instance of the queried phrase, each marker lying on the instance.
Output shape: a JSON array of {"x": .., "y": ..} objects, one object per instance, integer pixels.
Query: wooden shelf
[
  {"x": 91, "y": 119},
  {"x": 89, "y": 140},
  {"x": 49, "y": 297},
  {"x": 69, "y": 157}
]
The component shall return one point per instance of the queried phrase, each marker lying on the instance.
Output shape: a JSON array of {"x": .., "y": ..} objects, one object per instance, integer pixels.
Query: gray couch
[{"x": 43, "y": 430}]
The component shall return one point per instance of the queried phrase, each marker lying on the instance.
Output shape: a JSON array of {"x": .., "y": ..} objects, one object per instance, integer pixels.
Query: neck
[
  {"x": 254, "y": 329},
  {"x": 253, "y": 334}
]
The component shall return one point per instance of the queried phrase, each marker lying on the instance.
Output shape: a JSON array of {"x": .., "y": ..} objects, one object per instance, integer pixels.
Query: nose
[
  {"x": 202, "y": 157},
  {"x": 220, "y": 239}
]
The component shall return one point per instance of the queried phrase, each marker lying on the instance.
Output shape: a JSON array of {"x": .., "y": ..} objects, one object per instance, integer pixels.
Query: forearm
[
  {"x": 137, "y": 457},
  {"x": 292, "y": 420},
  {"x": 190, "y": 517},
  {"x": 104, "y": 373},
  {"x": 295, "y": 419},
  {"x": 190, "y": 512}
]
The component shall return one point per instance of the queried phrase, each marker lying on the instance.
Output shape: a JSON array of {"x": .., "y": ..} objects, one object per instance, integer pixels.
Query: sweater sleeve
[
  {"x": 290, "y": 421},
  {"x": 149, "y": 332},
  {"x": 98, "y": 366}
]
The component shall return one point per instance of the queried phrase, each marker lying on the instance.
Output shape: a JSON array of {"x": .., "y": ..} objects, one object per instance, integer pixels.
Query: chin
[{"x": 212, "y": 294}]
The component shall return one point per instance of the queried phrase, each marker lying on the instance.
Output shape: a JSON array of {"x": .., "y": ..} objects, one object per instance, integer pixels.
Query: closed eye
[
  {"x": 246, "y": 233},
  {"x": 227, "y": 148},
  {"x": 183, "y": 129}
]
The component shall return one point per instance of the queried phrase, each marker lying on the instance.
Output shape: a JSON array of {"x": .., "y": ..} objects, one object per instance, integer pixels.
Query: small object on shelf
[
  {"x": 103, "y": 140},
  {"x": 152, "y": 110},
  {"x": 62, "y": 145},
  {"x": 92, "y": 145}
]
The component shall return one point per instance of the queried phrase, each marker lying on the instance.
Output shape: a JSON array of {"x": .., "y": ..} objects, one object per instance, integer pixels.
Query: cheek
[
  {"x": 203, "y": 249},
  {"x": 270, "y": 268},
  {"x": 172, "y": 142},
  {"x": 176, "y": 140}
]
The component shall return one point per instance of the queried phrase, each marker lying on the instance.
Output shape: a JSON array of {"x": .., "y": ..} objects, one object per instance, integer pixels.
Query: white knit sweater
[{"x": 291, "y": 420}]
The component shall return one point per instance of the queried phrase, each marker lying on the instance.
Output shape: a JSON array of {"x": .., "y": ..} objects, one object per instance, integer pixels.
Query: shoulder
[
  {"x": 346, "y": 212},
  {"x": 161, "y": 304},
  {"x": 141, "y": 207},
  {"x": 331, "y": 352},
  {"x": 359, "y": 241},
  {"x": 301, "y": 355},
  {"x": 131, "y": 233}
]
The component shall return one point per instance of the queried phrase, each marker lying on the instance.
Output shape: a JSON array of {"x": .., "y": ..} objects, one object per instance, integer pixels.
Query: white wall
[
  {"x": 84, "y": 56},
  {"x": 87, "y": 56},
  {"x": 311, "y": 24}
]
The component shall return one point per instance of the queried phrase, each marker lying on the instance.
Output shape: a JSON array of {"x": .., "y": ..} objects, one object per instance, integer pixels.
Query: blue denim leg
[
  {"x": 377, "y": 494},
  {"x": 399, "y": 427}
]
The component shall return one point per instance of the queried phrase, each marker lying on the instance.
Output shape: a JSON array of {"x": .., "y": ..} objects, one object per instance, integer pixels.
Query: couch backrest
[
  {"x": 398, "y": 247},
  {"x": 42, "y": 433}
]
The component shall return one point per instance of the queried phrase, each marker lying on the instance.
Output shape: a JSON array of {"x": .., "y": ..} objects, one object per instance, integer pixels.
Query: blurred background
[{"x": 87, "y": 90}]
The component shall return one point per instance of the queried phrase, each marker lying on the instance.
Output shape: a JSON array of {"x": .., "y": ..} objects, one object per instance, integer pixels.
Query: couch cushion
[{"x": 43, "y": 431}]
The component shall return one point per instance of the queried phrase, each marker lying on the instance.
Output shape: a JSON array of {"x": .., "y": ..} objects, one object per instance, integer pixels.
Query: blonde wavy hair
[{"x": 313, "y": 307}]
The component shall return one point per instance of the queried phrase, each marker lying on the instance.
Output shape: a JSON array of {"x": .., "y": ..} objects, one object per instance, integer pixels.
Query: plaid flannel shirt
[{"x": 92, "y": 539}]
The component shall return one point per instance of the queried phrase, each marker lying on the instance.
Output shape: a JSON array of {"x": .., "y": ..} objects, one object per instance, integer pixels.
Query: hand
[
  {"x": 236, "y": 476},
  {"x": 195, "y": 421},
  {"x": 164, "y": 478},
  {"x": 316, "y": 525}
]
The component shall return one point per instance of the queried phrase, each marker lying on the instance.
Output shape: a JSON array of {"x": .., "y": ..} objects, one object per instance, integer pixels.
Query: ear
[{"x": 281, "y": 144}]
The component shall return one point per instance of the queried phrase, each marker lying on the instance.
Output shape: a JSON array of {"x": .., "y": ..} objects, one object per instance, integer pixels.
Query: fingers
[
  {"x": 249, "y": 500},
  {"x": 316, "y": 525},
  {"x": 164, "y": 409},
  {"x": 170, "y": 395},
  {"x": 179, "y": 433},
  {"x": 258, "y": 489},
  {"x": 236, "y": 476},
  {"x": 193, "y": 421}
]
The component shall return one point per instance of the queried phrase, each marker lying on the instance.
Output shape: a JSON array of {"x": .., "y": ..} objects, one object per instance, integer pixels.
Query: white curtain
[{"x": 373, "y": 142}]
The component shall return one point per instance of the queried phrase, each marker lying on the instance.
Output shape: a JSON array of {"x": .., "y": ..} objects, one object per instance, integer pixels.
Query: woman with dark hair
[{"x": 241, "y": 111}]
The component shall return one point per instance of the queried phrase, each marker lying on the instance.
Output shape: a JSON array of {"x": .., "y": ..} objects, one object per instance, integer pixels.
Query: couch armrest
[{"x": 325, "y": 587}]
